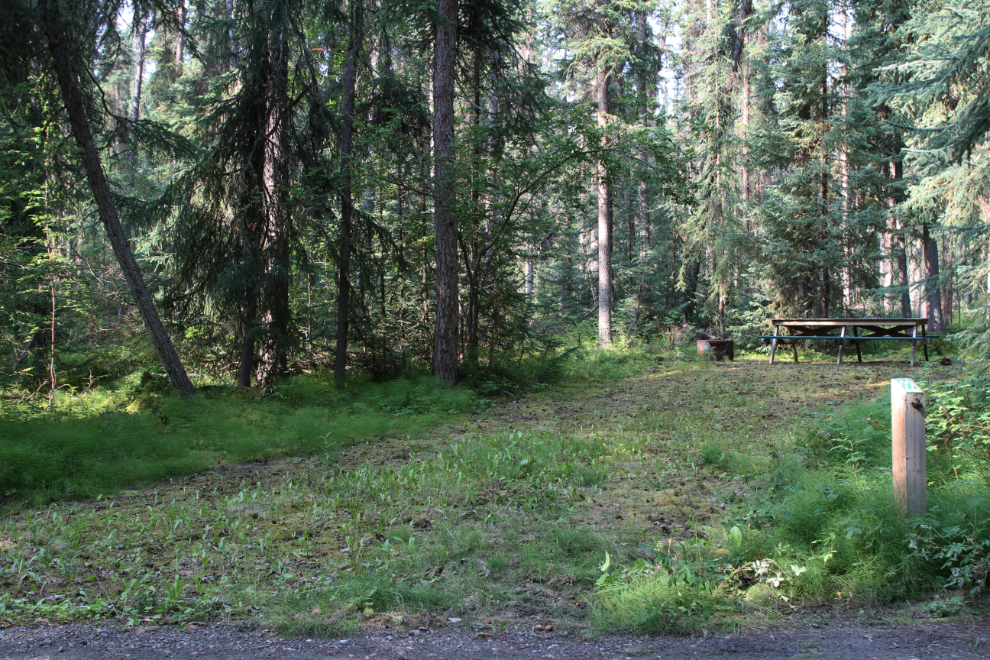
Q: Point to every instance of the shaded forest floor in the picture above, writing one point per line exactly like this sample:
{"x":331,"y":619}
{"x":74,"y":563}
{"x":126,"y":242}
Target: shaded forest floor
{"x":489,"y":525}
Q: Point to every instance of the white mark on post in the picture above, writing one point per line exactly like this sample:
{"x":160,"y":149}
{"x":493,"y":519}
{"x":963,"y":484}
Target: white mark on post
{"x":907,"y":413}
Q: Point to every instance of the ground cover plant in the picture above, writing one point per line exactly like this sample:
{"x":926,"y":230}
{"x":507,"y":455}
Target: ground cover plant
{"x":665,"y":500}
{"x":826,"y":529}
{"x":98,"y":443}
{"x":484,"y":192}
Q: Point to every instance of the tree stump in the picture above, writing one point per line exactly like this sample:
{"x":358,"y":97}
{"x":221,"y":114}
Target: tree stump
{"x":716,"y":349}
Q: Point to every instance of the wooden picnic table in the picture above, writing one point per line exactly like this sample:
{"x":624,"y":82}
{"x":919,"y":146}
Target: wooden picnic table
{"x":848,"y":330}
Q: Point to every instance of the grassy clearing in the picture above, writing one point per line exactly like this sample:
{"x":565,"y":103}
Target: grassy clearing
{"x":109,"y":439}
{"x":138,"y":431}
{"x":497,"y":517}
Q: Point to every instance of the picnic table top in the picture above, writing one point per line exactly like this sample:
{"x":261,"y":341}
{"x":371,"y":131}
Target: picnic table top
{"x":826,"y":323}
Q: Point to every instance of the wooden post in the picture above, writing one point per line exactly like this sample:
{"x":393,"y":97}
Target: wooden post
{"x":907,"y":412}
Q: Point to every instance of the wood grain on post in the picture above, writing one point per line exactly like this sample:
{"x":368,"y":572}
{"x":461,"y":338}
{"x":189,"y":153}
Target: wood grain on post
{"x":907,"y":412}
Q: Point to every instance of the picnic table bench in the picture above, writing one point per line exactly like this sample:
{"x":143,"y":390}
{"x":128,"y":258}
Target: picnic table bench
{"x":848,"y":330}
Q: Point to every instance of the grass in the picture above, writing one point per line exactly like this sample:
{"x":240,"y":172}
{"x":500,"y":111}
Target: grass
{"x":686,"y":494}
{"x":825,"y":527}
{"x":97,"y":444}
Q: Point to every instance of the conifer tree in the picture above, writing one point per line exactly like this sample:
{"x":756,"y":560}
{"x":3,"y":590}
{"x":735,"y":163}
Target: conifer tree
{"x":231,"y":232}
{"x":63,"y":26}
{"x":809,"y":236}
{"x":446,"y":323}
{"x":346,"y":197}
{"x":712,"y":69}
{"x":601,"y":34}
{"x":941,"y":87}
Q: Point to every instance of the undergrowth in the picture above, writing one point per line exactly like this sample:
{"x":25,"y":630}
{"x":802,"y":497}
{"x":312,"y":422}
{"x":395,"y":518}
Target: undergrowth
{"x":108,"y":439}
{"x":827,"y":528}
{"x":138,"y":431}
{"x":692,"y":496}
{"x":457,"y":530}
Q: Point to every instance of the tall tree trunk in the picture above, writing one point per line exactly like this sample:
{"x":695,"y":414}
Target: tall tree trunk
{"x":933,"y":291}
{"x":642,"y":200}
{"x":75,"y":108}
{"x":276,"y":317}
{"x":445,"y":327}
{"x":904,"y":280}
{"x":180,"y":39}
{"x":425,"y":274}
{"x":627,"y":204}
{"x":604,"y":218}
{"x":902,"y":263}
{"x":947,"y":288}
{"x":473,"y":258}
{"x":346,"y":202}
{"x":823,"y":116}
{"x":745,"y":145}
{"x":249,"y":318}
{"x":232,"y":48}
{"x":140,"y":35}
{"x":425,"y":290}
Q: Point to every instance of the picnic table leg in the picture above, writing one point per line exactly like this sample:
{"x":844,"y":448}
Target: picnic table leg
{"x":794,"y":346}
{"x":842,"y":336}
{"x":773,"y":344}
{"x":859,"y":355}
{"x":924,"y":342}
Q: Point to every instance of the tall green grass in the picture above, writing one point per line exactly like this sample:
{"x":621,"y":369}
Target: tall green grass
{"x":102,"y":442}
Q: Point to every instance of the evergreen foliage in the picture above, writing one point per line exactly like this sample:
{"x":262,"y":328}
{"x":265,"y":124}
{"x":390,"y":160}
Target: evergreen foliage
{"x":273,"y":166}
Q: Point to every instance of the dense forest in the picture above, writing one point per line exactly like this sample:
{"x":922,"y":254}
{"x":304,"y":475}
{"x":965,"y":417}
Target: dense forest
{"x":231,"y":191}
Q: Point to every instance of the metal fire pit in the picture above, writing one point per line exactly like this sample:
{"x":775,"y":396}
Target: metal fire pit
{"x":716,"y":348}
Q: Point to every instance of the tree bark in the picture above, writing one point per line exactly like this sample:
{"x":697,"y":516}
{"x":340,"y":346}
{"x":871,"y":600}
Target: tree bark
{"x":604,"y":219}
{"x":180,"y":39}
{"x":68,"y":81}
{"x":473,"y":257}
{"x":276,"y":313}
{"x":902,"y":264}
{"x":140,"y":34}
{"x":346,"y":202}
{"x":231,"y":36}
{"x":824,"y":116}
{"x":446,"y":322}
{"x":933,"y":292}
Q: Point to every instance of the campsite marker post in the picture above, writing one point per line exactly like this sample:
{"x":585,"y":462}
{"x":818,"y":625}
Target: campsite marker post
{"x":907,"y":416}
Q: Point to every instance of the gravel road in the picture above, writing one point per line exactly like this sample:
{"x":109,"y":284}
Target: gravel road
{"x":929,"y":640}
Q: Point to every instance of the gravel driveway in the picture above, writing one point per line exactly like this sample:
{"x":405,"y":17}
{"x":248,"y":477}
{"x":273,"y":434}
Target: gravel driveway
{"x":854,"y":640}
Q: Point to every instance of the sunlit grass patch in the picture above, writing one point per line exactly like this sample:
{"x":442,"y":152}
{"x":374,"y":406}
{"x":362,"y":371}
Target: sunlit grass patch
{"x":87,"y":448}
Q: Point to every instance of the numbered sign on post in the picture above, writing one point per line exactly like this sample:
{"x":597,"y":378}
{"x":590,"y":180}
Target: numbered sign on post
{"x":907,"y":413}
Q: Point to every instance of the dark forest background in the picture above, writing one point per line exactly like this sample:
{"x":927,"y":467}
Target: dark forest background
{"x":236,"y":190}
